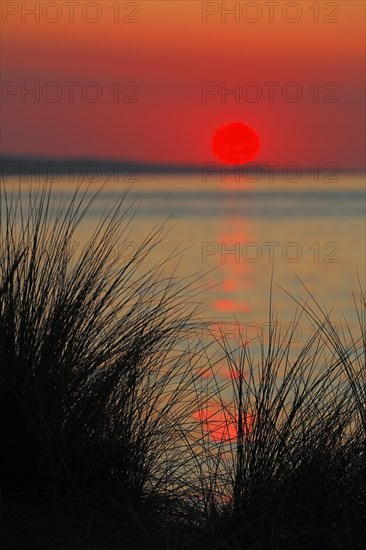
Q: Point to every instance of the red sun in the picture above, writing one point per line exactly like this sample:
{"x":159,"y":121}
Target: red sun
{"x":235,"y":143}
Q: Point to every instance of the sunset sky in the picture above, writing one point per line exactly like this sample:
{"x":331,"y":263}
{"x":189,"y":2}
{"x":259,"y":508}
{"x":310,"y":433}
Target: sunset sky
{"x":163,"y":55}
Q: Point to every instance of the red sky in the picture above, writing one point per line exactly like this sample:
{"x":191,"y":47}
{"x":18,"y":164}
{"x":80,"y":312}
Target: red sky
{"x":167,"y":55}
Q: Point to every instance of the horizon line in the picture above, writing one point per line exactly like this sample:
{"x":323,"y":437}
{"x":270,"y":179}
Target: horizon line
{"x":27,"y":164}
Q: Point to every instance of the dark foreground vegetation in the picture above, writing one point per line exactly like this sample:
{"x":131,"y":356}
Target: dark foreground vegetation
{"x":101,"y":378}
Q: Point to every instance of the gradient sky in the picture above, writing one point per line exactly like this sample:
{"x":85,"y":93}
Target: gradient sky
{"x":168,"y":54}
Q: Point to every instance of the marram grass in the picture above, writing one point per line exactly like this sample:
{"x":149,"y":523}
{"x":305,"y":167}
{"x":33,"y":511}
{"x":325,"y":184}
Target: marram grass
{"x":110,"y":436}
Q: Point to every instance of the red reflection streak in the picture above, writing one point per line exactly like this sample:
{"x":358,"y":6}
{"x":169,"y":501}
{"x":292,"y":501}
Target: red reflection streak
{"x":228,"y":305}
{"x":229,"y":373}
{"x":221,"y":424}
{"x":229,"y":285}
{"x":234,"y":266}
{"x":206,"y":373}
{"x":222,"y":370}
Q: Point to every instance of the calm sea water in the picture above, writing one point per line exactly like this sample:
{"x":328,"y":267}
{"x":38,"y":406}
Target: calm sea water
{"x":242,"y":232}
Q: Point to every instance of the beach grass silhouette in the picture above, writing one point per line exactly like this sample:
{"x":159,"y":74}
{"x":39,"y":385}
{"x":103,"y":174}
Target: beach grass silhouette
{"x":111,"y":437}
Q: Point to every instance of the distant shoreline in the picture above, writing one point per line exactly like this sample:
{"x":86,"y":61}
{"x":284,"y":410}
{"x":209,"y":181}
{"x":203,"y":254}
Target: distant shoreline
{"x":43,"y":166}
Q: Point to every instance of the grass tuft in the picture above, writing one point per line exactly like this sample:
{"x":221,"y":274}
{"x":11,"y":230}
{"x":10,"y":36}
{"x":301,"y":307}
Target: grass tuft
{"x":112,"y":437}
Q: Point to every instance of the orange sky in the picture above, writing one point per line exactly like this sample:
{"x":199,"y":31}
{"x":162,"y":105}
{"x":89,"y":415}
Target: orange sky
{"x":167,"y":55}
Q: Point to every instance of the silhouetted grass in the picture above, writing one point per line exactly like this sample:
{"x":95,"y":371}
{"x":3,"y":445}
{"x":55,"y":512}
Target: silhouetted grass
{"x":108,"y":429}
{"x":294,"y":474}
{"x":93,"y":372}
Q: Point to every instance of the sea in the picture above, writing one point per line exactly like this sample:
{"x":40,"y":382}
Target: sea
{"x":258,"y":248}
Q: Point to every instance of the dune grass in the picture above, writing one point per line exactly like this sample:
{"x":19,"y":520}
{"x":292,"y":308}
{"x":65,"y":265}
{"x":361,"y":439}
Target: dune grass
{"x":110,"y":436}
{"x":294,"y":475}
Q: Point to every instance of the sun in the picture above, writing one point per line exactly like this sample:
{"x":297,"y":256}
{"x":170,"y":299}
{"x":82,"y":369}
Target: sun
{"x":235,"y":143}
